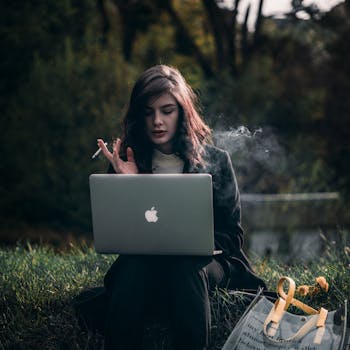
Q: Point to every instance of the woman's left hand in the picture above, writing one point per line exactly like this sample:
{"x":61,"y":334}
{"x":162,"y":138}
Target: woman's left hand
{"x":120,"y":166}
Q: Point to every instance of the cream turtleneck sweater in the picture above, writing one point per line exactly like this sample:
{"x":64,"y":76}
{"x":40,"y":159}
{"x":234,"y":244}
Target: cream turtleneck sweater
{"x":166,"y":163}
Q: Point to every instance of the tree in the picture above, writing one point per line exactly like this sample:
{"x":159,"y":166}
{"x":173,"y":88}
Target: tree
{"x":336,"y":125}
{"x":136,"y":16}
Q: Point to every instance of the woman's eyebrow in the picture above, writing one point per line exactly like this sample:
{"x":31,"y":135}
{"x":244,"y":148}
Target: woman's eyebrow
{"x":168,"y":105}
{"x":163,"y":106}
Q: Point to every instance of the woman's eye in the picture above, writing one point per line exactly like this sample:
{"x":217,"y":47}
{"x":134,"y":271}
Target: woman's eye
{"x":148,"y":112}
{"x":168,"y":111}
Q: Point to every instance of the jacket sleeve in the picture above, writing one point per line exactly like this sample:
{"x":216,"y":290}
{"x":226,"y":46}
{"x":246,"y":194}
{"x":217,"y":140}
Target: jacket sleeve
{"x":227,"y":207}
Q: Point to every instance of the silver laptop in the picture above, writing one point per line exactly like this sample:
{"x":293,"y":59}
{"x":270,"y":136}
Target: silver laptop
{"x":152,"y":214}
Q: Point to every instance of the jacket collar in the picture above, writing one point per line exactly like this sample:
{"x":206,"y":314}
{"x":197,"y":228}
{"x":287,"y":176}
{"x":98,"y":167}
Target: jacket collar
{"x":191,"y":169}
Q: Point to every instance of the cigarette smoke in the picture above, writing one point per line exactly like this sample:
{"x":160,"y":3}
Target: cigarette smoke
{"x":256,"y":155}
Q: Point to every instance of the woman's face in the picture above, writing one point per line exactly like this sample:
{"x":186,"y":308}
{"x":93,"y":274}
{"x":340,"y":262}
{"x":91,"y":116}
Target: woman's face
{"x":162,"y":116}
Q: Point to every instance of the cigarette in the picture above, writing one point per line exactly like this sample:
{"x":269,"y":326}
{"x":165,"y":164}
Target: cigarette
{"x":98,"y":151}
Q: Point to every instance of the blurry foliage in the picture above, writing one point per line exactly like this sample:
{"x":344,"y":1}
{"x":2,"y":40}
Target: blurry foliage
{"x":69,"y":67}
{"x":54,"y":122}
{"x":37,"y":28}
{"x":336,"y":128}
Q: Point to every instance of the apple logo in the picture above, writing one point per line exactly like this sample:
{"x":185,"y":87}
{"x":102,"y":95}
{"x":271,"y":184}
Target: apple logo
{"x":151,"y":215}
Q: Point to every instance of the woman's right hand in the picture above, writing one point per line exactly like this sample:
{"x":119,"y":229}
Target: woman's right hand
{"x":120,"y":166}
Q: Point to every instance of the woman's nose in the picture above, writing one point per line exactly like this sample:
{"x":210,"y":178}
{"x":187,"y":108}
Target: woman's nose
{"x":157,"y":119}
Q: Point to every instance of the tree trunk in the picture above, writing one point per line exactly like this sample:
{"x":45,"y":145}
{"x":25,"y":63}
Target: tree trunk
{"x":105,"y":21}
{"x":126,"y":13}
{"x":203,"y":62}
{"x":244,"y":37}
{"x":223,"y":24}
{"x":257,"y":33}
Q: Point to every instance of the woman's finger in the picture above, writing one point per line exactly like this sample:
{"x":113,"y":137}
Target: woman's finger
{"x":130,"y":155}
{"x":116,"y":149}
{"x":117,"y":162}
{"x":118,"y":144}
{"x":104,"y":149}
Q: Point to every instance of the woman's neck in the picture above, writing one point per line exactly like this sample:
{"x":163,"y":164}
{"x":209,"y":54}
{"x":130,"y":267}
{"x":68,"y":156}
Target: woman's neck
{"x":165,"y":149}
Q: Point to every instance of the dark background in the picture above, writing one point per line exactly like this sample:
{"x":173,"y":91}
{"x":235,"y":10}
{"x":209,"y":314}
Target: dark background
{"x":277,"y":97}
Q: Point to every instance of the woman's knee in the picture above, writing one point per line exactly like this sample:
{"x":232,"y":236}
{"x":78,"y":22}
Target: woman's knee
{"x":189,"y":274}
{"x":127,"y":270}
{"x":189,"y":264}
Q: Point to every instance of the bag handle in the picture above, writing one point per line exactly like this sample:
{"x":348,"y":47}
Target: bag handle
{"x":290,"y":293}
{"x":316,"y":321}
{"x":282,"y":304}
{"x":289,"y":297}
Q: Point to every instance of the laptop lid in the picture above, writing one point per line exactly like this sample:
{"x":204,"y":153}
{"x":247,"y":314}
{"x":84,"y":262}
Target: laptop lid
{"x":158,"y":214}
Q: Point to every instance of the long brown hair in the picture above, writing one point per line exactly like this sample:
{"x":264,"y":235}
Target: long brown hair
{"x":192,"y":132}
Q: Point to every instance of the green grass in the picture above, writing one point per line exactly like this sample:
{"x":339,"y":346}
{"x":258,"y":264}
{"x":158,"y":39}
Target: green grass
{"x":37,"y":285}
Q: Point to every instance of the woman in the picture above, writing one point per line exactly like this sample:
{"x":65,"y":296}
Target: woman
{"x":164,"y":133}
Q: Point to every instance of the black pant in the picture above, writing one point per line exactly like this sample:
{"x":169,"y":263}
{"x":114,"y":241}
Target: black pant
{"x":178,"y":287}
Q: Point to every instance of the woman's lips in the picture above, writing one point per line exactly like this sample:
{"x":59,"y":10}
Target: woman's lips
{"x":158,"y":134}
